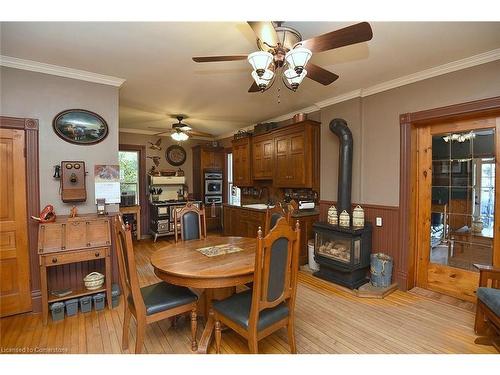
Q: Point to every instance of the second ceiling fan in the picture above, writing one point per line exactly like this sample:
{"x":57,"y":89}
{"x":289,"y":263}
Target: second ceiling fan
{"x":282,"y":52}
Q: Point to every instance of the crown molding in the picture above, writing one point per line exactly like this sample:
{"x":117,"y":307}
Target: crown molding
{"x":340,"y":98}
{"x":61,"y":71}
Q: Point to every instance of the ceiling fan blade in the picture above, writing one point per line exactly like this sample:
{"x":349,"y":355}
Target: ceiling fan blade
{"x":318,"y":74}
{"x":254,"y":88}
{"x":360,"y":32}
{"x":199,"y":134}
{"x":162,"y":133}
{"x":264,"y":30}
{"x":219,"y":58}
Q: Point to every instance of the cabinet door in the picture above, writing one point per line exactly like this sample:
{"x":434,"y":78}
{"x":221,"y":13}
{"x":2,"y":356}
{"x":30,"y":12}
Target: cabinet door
{"x":296,"y":161}
{"x":50,"y":238}
{"x":241,"y":164}
{"x":76,"y":234}
{"x":281,"y":173}
{"x":98,"y":233}
{"x":218,"y":159}
{"x":267,"y":159}
{"x":257,"y":161}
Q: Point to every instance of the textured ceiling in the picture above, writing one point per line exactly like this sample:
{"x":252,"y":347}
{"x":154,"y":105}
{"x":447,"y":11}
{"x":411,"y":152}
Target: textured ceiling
{"x":161,"y":78}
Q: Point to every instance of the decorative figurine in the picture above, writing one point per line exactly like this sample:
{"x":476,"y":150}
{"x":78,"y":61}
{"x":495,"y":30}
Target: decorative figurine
{"x":47,"y":215}
{"x":333,"y":218}
{"x":73,"y":212}
{"x":156,"y":145}
{"x":358,"y":217}
{"x":344,"y":219}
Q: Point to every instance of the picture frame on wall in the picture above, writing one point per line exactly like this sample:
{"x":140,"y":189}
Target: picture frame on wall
{"x":80,"y":127}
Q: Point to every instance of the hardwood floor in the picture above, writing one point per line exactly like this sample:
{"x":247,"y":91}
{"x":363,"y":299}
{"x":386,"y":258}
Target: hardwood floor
{"x":328,"y":320}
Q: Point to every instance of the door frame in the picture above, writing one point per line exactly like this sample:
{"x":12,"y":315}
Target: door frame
{"x":409,"y":124}
{"x":30,"y":127}
{"x":143,"y":199}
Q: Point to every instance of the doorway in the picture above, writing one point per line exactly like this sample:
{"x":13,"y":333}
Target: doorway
{"x":456,"y":182}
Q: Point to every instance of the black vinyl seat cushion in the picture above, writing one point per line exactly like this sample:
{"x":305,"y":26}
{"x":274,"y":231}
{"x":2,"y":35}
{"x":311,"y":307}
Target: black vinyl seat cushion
{"x":164,"y":296}
{"x":237,"y":308}
{"x":191,"y":226}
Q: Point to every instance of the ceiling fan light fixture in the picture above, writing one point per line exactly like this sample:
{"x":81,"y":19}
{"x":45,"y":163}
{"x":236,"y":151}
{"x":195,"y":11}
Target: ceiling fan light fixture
{"x":263,"y":80}
{"x":260,"y":61}
{"x":294,"y":79}
{"x":297,"y":58}
{"x":179,"y":136}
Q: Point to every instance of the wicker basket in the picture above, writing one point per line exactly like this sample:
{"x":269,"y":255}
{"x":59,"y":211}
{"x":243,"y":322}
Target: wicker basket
{"x":94,"y":280}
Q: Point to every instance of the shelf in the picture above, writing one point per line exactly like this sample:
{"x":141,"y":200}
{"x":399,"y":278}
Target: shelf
{"x":76,"y":294}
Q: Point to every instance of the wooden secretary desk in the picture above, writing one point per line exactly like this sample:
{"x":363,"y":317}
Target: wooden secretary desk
{"x":70,"y":240}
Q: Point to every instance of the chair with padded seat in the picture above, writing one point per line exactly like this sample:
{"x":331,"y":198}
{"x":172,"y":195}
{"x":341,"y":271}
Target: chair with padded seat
{"x":269,"y":305}
{"x":150,"y":303}
{"x":273,"y":215}
{"x":190,"y":223}
{"x":487,"y":322}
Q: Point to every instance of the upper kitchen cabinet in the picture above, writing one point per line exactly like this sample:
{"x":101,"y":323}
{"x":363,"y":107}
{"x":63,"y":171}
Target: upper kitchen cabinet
{"x":242,"y":162}
{"x":263,"y":157}
{"x":297,"y":153}
{"x":205,"y":157}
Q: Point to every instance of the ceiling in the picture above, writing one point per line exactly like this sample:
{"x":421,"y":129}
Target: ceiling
{"x":161,"y":78}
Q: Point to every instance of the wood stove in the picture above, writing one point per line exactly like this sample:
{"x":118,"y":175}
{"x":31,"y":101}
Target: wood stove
{"x":343,"y":253}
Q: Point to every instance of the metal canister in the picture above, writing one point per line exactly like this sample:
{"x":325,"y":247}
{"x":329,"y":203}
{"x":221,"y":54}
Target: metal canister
{"x":333,"y":217}
{"x":358,"y":217}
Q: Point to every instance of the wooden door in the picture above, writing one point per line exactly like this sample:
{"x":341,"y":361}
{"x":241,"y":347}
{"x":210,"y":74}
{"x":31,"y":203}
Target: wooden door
{"x":15,"y":295}
{"x":457,"y":207}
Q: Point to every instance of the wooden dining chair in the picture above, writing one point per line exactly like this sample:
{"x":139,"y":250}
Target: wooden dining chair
{"x":150,"y":303}
{"x":273,"y":215}
{"x":269,"y":306}
{"x":190,"y":223}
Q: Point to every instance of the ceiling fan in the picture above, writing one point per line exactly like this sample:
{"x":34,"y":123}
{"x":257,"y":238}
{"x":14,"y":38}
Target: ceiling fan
{"x":181,"y":131}
{"x":282,"y":50}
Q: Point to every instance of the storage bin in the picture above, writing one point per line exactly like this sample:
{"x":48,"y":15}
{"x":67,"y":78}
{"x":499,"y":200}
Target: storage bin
{"x":57,"y":309}
{"x":71,"y":306}
{"x":380,"y":270}
{"x":312,"y":263}
{"x":99,"y":299}
{"x":85,"y":304}
{"x":115,"y":295}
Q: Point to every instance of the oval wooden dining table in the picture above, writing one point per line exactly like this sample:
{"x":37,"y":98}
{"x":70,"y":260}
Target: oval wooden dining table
{"x":182,"y":264}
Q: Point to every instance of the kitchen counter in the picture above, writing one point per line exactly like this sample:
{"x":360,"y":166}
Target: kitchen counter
{"x":303,"y":213}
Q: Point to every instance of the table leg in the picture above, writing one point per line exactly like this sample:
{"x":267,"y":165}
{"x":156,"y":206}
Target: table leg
{"x":44,"y":291}
{"x":107,"y":279}
{"x":208,"y":332}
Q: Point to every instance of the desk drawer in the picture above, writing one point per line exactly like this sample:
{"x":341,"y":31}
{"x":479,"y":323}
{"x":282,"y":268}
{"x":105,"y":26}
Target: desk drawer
{"x":55,"y":259}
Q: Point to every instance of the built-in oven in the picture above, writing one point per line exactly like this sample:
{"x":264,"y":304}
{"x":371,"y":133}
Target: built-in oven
{"x":213,"y":183}
{"x":217,"y":199}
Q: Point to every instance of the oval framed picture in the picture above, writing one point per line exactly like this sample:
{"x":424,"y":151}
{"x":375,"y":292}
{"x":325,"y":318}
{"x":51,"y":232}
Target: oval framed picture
{"x":81,"y":127}
{"x":175,"y":155}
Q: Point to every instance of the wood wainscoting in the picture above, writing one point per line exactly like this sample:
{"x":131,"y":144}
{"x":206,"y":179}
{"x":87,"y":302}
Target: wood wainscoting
{"x":385,"y":239}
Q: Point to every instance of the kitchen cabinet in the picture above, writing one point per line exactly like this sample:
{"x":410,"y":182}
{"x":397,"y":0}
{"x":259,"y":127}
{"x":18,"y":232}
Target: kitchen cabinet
{"x":263,"y":157}
{"x":297,"y":153}
{"x":242,"y":162}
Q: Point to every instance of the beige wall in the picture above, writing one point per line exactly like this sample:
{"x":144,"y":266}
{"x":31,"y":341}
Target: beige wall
{"x":374,"y":122}
{"x":42,"y":96}
{"x":140,"y":139}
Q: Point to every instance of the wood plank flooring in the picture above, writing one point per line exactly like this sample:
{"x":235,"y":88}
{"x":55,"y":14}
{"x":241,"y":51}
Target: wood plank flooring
{"x":328,"y":320}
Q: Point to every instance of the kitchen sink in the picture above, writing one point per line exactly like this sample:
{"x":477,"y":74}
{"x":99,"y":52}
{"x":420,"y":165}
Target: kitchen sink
{"x":257,"y":206}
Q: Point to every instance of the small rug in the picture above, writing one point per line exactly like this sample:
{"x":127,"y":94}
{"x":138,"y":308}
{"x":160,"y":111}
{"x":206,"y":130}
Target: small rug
{"x":213,"y":251}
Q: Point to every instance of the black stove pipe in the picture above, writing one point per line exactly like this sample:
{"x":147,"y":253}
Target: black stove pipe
{"x":339,"y":127}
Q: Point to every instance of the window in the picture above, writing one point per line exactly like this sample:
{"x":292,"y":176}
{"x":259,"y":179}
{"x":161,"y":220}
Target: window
{"x":129,"y":173}
{"x":233,"y":192}
{"x":487,"y":192}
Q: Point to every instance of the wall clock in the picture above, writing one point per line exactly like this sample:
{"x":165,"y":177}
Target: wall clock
{"x":175,"y":155}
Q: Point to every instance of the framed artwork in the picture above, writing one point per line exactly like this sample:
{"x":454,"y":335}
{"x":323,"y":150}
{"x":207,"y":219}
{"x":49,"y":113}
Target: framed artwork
{"x":81,"y":127}
{"x":175,"y":155}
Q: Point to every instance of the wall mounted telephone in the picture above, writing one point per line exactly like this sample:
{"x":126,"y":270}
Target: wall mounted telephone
{"x":73,"y":181}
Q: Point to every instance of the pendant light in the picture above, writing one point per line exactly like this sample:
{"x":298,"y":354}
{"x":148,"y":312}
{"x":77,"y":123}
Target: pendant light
{"x":297,"y":58}
{"x":260,"y":61}
{"x":179,"y":136}
{"x":263,"y":80}
{"x":294,"y":79}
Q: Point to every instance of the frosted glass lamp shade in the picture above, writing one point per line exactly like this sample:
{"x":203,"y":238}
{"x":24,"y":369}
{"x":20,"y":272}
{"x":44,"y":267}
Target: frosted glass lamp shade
{"x":179,"y":136}
{"x":293,"y":78}
{"x":297,"y":58}
{"x":260,"y":61}
{"x":263,"y":80}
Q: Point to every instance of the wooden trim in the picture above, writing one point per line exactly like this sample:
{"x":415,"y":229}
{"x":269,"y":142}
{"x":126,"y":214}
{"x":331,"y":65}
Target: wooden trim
{"x":143,"y":184}
{"x":30,"y":127}
{"x":409,"y":122}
